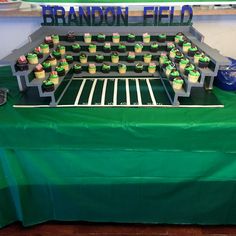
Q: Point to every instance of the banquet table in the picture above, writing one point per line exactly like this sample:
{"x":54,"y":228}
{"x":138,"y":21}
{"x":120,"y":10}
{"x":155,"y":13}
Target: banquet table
{"x":130,"y":165}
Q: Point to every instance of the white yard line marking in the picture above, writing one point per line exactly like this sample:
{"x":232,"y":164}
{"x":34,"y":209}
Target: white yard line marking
{"x":63,"y":92}
{"x":92,"y":92}
{"x":138,"y":92}
{"x":80,"y":92}
{"x":127,"y":92}
{"x":115,"y":92}
{"x":151,"y":92}
{"x":104,"y":92}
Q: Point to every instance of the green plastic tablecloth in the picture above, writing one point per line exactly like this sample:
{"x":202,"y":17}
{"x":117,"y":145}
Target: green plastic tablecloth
{"x":146,"y":165}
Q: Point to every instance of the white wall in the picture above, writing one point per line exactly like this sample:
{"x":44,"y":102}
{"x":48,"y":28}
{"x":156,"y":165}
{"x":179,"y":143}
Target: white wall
{"x":219,"y":32}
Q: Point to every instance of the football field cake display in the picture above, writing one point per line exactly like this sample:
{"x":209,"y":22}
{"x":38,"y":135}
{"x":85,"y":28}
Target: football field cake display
{"x":81,"y":66}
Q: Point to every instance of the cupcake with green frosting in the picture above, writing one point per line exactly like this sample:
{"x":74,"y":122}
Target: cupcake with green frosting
{"x":122,"y":68}
{"x":63,"y":63}
{"x":69,"y":59}
{"x":161,"y":38}
{"x":101,"y":38}
{"x":173,"y":52}
{"x":92,"y":48}
{"x":121,"y":47}
{"x":115,"y":57}
{"x":203,"y":61}
{"x":92,"y":68}
{"x":115,"y":38}
{"x":87,"y":38}
{"x":182,"y":64}
{"x":32,"y":58}
{"x":193,"y":76}
{"x":188,"y":68}
{"x":56,"y":54}
{"x":107,"y":48}
{"x":55,"y":38}
{"x":166,"y":63}
{"x":178,"y":57}
{"x":77,"y":68}
{"x":197,"y":56}
{"x":61,"y":49}
{"x":54,"y":77}
{"x":177,"y":83}
{"x":139,"y":68}
{"x":179,"y":36}
{"x":192,"y":50}
{"x":106,"y":68}
{"x":170,"y":46}
{"x":152,"y":68}
{"x":47,"y":66}
{"x":99,"y":58}
{"x":76,"y":47}
{"x":83,"y":58}
{"x":138,"y":47}
{"x":154,"y":47}
{"x":47,"y":86}
{"x":131,"y":38}
{"x":186,"y":46}
{"x":147,"y":58}
{"x":162,"y":58}
{"x":168,"y":70}
{"x":131,"y":57}
{"x":173,"y":74}
{"x":60,"y":70}
{"x":146,"y":38}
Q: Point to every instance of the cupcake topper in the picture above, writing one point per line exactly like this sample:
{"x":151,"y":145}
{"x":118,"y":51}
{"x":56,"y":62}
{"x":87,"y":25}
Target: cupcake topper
{"x":39,"y":67}
{"x":48,"y":38}
{"x":63,"y":60}
{"x":22,"y":59}
{"x":37,"y":49}
{"x":53,"y":73}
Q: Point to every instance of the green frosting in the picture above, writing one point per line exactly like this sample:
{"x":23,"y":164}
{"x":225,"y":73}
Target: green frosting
{"x":189,"y":67}
{"x":167,"y":62}
{"x":92,"y":46}
{"x":63,"y":63}
{"x":46,"y":64}
{"x":75,"y":46}
{"x":152,"y":66}
{"x":99,"y":57}
{"x":147,"y":36}
{"x":106,"y":67}
{"x":121,"y":46}
{"x":193,"y":49}
{"x":122,"y":66}
{"x":179,"y":36}
{"x":139,"y":66}
{"x":69,"y":57}
{"x":107,"y":46}
{"x":131,"y":56}
{"x":204,"y":59}
{"x":59,"y":69}
{"x":178,"y":80}
{"x":170,"y":67}
{"x":194,"y":73}
{"x":170,"y":46}
{"x":56,"y":53}
{"x":174,"y":73}
{"x":116,"y":36}
{"x":47,"y":83}
{"x":44,"y":45}
{"x":101,"y":36}
{"x":131,"y":36}
{"x":31,"y":56}
{"x":162,"y":35}
{"x":114,"y":55}
{"x":55,"y":36}
{"x":138,"y":45}
{"x":61,"y":47}
{"x":77,"y":66}
{"x":184,"y":61}
{"x":88,"y":36}
{"x":53,"y":76}
{"x":186,"y":44}
{"x":179,"y":55}
{"x":148,"y":55}
{"x":154,"y":45}
{"x":82,"y":56}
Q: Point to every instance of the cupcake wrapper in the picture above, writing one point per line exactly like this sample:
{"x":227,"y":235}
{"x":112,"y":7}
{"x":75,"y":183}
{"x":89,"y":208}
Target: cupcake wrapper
{"x":203,"y":64}
{"x":48,"y":69}
{"x":137,"y":70}
{"x":22,"y":67}
{"x":77,"y":71}
{"x":100,"y":40}
{"x":161,"y":40}
{"x":131,"y":40}
{"x":106,"y":50}
{"x":153,"y":49}
{"x":76,"y":49}
{"x":121,"y":50}
{"x":191,"y":53}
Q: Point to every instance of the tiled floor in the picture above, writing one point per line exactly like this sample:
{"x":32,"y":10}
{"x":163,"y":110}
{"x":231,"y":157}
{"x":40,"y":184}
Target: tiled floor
{"x":86,"y":229}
